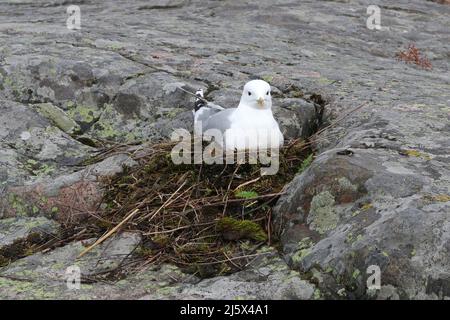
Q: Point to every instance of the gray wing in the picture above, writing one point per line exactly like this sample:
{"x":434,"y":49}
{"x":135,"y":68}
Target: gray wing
{"x":220,"y":120}
{"x":215,"y":106}
{"x":204,"y":113}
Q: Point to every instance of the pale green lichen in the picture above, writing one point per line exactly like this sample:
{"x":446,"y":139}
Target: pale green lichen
{"x":31,"y":290}
{"x":303,"y":249}
{"x":39,"y":169}
{"x":351,"y":238}
{"x":317,"y":294}
{"x":322,"y":215}
{"x":166,"y":291}
{"x":106,"y":130}
{"x":84,"y":114}
{"x":58,"y":117}
{"x":267,"y":78}
{"x":346,"y":184}
{"x":18,"y":204}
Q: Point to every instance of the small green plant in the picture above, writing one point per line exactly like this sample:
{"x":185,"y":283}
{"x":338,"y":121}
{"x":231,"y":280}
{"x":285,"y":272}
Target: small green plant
{"x":306,"y":163}
{"x":246,"y":194}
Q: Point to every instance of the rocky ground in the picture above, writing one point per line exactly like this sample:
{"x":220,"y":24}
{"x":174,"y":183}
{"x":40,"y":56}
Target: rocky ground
{"x":377,"y":193}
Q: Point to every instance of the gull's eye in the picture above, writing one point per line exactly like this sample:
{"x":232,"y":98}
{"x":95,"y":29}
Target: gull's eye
{"x":267,"y":93}
{"x":249,"y":93}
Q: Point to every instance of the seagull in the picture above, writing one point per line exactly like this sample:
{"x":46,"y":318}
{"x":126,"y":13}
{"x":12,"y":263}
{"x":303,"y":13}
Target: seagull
{"x":239,"y":126}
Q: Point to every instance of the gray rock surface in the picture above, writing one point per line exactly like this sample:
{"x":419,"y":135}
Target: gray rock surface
{"x":45,"y":276}
{"x":17,"y":229}
{"x":378,"y":192}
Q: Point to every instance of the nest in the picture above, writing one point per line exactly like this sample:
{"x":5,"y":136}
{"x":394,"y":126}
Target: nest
{"x":206,"y":219}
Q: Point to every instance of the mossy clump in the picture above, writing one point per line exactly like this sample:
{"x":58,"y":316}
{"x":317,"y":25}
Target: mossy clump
{"x":234,"y":229}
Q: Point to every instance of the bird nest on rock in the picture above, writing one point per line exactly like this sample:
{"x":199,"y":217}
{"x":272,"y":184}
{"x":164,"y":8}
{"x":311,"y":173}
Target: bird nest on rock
{"x":207,"y":219}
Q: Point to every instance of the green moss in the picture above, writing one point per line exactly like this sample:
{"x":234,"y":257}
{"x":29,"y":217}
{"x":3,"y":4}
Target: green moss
{"x":233,"y":229}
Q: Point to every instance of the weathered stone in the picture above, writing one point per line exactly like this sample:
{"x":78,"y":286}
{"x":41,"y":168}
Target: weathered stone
{"x":79,"y":192}
{"x":268,"y":278}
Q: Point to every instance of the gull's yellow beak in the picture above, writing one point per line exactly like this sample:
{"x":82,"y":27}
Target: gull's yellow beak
{"x":260,"y":101}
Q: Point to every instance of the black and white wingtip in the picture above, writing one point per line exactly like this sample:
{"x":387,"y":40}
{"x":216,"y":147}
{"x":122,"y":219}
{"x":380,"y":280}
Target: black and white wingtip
{"x":199,"y":103}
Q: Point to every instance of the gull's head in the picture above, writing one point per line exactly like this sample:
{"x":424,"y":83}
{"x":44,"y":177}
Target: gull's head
{"x":257,"y":95}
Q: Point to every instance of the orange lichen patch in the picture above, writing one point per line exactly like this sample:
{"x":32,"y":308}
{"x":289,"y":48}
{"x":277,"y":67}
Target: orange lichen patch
{"x":413,"y":55}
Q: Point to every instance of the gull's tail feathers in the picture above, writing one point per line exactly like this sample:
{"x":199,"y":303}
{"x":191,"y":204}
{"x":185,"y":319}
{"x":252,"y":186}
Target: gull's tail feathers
{"x":204,"y":109}
{"x":199,"y":101}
